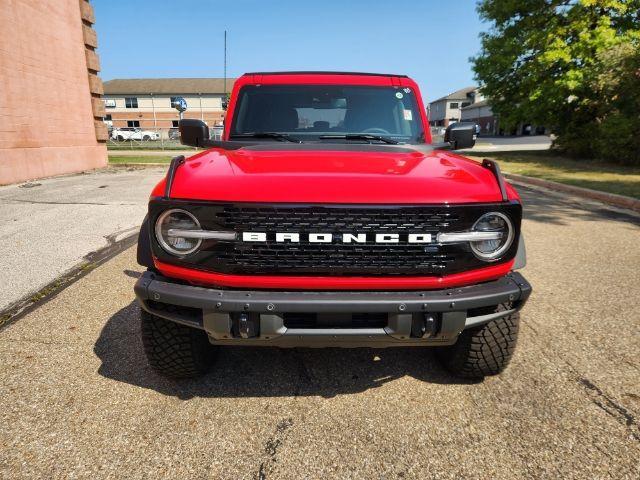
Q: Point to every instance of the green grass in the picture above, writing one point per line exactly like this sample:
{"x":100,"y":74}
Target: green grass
{"x":142,"y":159}
{"x":548,"y":165}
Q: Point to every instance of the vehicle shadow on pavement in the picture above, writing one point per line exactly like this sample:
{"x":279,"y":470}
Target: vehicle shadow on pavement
{"x":539,"y":207}
{"x":264,"y":371}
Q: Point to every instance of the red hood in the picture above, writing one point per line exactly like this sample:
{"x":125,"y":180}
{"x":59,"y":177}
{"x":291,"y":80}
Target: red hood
{"x":392,"y":176}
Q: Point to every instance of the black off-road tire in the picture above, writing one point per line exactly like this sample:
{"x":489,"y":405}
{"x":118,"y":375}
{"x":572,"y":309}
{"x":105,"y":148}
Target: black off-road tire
{"x":482,"y":351}
{"x":175,"y":350}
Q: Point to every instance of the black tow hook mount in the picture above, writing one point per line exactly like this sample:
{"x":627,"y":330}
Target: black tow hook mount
{"x":246,"y":325}
{"x":426,"y":326}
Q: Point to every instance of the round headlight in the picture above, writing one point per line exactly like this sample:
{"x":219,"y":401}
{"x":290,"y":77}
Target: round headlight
{"x":494,"y":222}
{"x":168,"y":228}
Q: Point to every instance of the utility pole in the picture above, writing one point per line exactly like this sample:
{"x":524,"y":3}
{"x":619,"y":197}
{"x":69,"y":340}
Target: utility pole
{"x":224,"y":95}
{"x":225,"y":64}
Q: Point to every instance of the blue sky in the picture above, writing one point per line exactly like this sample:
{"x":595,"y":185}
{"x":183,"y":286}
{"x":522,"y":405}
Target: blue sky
{"x":428,"y":40}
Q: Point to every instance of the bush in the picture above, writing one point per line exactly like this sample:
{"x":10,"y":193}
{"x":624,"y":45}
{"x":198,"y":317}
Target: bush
{"x":618,"y":140}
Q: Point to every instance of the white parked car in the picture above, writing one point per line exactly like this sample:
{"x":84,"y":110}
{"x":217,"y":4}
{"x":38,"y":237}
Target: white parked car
{"x":133,"y":133}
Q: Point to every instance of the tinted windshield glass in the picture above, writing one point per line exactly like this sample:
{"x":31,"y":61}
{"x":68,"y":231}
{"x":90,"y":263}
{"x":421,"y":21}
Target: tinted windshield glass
{"x":311,"y":111}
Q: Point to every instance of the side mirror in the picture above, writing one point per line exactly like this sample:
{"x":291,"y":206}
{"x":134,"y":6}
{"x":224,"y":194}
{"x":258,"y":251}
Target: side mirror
{"x":193,"y":132}
{"x":461,"y":135}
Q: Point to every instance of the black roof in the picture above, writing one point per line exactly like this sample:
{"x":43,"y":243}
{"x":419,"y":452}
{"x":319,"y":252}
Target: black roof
{"x":167,"y":86}
{"x":312,"y":72}
{"x":457,"y":95}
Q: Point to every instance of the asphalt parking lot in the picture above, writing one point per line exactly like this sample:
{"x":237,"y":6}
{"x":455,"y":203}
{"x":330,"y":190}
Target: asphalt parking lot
{"x":78,"y":399}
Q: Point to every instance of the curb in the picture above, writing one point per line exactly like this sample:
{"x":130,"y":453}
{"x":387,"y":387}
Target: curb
{"x":116,"y":165}
{"x":152,"y":153}
{"x":604,"y":197}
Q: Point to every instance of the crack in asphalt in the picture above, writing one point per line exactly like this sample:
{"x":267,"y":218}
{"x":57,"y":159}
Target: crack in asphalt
{"x":271,"y":446}
{"x":274,"y":442}
{"x":111,"y":238}
{"x":304,"y":375}
{"x":34,"y":341}
{"x":599,"y":398}
{"x":611,"y":407}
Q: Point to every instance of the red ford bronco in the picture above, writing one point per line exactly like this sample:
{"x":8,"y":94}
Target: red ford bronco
{"x":326,"y":217}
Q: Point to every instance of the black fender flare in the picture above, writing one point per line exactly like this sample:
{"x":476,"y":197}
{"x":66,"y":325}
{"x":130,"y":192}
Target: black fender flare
{"x":144,"y":256}
{"x":521,"y":254}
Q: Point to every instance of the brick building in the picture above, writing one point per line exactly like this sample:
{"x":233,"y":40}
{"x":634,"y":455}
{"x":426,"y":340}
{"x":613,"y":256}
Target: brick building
{"x":479,"y":112}
{"x":148,"y":102}
{"x":50,"y":106}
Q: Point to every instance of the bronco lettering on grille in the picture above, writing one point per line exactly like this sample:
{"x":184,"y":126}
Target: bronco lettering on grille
{"x":292,"y":237}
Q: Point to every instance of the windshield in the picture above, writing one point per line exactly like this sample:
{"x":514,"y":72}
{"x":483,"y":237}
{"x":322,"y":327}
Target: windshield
{"x":311,"y":112}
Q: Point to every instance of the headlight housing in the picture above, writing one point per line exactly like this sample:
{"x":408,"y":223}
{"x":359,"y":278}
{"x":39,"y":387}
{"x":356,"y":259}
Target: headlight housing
{"x":493,"y":249}
{"x":177,"y":219}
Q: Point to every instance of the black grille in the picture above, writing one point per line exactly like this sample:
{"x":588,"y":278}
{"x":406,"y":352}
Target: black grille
{"x":336,"y":258}
{"x":370,"y":258}
{"x":335,"y":219}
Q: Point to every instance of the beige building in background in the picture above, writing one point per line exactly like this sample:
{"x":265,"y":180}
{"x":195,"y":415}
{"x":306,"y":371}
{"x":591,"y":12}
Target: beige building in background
{"x":448,"y":109}
{"x":148,"y":102}
{"x":50,"y":94}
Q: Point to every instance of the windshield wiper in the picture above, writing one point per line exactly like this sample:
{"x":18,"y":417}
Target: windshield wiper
{"x":360,"y":136}
{"x":283,"y":137}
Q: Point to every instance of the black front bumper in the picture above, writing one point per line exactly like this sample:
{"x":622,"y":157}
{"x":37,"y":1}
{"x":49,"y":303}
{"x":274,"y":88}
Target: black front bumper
{"x":239,"y":317}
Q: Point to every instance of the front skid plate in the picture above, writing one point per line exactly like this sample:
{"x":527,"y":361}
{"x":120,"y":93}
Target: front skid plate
{"x":219,"y":307}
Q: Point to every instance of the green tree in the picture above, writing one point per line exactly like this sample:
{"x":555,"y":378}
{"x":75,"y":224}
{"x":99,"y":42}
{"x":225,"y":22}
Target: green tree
{"x":551,"y":62}
{"x":617,"y":88}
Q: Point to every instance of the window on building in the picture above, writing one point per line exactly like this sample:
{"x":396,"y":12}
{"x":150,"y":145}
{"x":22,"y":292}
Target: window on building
{"x":133,"y":123}
{"x":174,"y":123}
{"x":107,"y":117}
{"x":453,"y":105}
{"x":465,"y":104}
{"x":109,"y":103}
{"x":131,"y":102}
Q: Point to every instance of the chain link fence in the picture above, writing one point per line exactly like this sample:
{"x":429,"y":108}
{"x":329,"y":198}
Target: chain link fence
{"x":140,"y":138}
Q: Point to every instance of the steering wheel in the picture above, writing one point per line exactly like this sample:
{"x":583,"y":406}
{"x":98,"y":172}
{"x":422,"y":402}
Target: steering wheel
{"x":376,"y":130}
